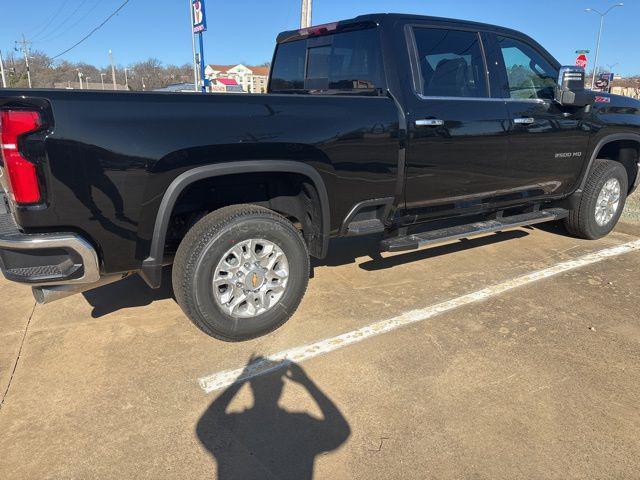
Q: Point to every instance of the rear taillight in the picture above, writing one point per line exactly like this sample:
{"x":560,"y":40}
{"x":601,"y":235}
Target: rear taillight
{"x":23,"y":179}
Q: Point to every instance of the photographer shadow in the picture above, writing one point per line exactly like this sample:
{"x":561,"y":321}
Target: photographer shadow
{"x":266,"y":440}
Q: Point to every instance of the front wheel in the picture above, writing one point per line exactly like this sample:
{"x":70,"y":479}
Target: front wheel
{"x":241,"y":272}
{"x":602,"y":202}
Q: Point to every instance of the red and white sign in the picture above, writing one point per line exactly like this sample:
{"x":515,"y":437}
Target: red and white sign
{"x":581,"y":61}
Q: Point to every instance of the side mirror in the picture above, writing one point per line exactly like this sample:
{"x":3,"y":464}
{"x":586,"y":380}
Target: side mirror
{"x":570,"y":91}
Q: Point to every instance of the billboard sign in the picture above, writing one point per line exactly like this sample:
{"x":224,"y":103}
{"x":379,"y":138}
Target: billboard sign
{"x":603,"y":82}
{"x":199,"y":16}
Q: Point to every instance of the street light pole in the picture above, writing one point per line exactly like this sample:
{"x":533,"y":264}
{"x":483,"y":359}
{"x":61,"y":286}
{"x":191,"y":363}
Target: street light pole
{"x":126,"y":79}
{"x":80,"y":78}
{"x":113,"y":69}
{"x":102,"y":75}
{"x":193,"y":47}
{"x":602,"y":15}
{"x":4,"y":80}
{"x":306,"y":13}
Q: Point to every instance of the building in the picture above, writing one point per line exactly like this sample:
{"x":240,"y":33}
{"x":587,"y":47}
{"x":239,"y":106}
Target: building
{"x":177,"y":87}
{"x":225,"y":85}
{"x":251,"y":79}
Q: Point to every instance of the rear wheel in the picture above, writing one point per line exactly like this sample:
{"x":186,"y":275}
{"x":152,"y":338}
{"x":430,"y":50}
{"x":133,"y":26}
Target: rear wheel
{"x":602,"y":202}
{"x":241,"y":272}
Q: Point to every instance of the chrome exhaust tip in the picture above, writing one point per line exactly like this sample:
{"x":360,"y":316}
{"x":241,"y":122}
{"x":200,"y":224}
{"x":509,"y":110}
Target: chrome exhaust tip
{"x":51,"y":293}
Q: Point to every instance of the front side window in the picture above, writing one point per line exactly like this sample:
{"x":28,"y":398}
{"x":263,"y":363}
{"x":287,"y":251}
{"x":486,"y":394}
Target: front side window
{"x":341,"y":62}
{"x":529,"y":74}
{"x":451,"y":63}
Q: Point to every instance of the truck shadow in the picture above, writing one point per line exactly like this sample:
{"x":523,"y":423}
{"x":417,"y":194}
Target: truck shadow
{"x":556,"y":228}
{"x":346,"y":250}
{"x":134,"y":292}
{"x":127,"y":293}
{"x":267,"y":440}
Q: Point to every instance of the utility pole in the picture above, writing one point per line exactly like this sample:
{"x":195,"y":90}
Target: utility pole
{"x":4,"y":79}
{"x":25,"y":50}
{"x":602,"y":15}
{"x":113,"y":69}
{"x":193,"y":47}
{"x":102,"y":75}
{"x":126,"y":79}
{"x":306,"y":13}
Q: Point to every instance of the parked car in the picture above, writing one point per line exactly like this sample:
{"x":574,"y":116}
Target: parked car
{"x":418,"y":129}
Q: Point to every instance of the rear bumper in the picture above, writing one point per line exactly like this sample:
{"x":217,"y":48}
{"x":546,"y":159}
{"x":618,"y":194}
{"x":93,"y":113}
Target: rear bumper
{"x":44,"y":258}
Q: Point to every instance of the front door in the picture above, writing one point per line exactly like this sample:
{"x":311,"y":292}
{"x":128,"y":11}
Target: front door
{"x":457,"y":151}
{"x":547,"y":142}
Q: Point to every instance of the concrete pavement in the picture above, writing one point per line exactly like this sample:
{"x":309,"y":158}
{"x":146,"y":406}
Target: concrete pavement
{"x":538,"y":382}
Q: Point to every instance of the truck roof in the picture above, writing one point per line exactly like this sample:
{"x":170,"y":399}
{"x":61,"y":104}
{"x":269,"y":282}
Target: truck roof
{"x":382,"y":17}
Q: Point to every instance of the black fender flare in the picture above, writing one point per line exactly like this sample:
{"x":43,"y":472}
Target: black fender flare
{"x":151,"y":270}
{"x":594,"y":155}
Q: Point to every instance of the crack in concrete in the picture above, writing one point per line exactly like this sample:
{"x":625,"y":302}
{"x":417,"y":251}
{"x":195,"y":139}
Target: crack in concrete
{"x":15,"y":365}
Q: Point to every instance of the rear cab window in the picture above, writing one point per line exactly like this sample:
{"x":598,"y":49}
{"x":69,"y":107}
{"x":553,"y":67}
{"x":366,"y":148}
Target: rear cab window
{"x":344,"y":62}
{"x":450,"y":63}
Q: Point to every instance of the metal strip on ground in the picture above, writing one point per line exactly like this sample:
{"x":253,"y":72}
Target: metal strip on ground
{"x":217,"y":381}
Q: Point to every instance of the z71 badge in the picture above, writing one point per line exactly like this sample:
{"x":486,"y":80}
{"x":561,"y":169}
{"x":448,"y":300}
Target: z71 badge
{"x":602,"y":99}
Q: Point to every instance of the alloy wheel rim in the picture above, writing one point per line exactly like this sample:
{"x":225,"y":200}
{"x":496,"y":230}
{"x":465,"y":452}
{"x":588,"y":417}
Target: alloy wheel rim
{"x":608,"y":202}
{"x":250,"y":278}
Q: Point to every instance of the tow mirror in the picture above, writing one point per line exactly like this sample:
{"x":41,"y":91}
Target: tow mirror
{"x":571,"y":91}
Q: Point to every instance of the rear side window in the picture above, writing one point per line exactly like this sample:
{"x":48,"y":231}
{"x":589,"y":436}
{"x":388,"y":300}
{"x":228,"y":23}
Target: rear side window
{"x":451,"y":63}
{"x":348,"y":62}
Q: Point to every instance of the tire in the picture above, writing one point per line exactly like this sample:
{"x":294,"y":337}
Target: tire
{"x":582,"y":221}
{"x":199,"y":259}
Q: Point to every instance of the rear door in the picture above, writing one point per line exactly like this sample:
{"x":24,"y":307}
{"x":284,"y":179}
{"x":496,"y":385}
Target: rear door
{"x":457,"y":153}
{"x":547,"y":142}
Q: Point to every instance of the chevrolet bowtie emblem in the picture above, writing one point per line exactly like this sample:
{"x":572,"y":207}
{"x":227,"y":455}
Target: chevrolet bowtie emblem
{"x":254,"y":280}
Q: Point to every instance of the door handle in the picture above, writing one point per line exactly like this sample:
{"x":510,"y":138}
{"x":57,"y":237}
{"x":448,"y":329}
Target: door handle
{"x":429,"y":122}
{"x":524,"y":121}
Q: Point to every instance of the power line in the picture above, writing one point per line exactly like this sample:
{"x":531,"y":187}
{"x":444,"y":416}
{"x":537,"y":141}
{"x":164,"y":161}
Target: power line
{"x":71,"y":27}
{"x":40,"y":31}
{"x":92,"y":31}
{"x":60,"y":25}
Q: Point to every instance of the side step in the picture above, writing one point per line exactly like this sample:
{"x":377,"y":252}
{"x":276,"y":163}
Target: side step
{"x":411,"y":242}
{"x":365,"y":227}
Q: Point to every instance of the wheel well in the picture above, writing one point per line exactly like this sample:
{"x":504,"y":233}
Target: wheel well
{"x":292,"y":195}
{"x":627,"y":152}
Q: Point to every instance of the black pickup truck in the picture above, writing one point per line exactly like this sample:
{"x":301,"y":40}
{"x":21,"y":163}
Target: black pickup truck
{"x":417,"y":129}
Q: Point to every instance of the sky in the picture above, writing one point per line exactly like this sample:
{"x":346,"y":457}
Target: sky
{"x":244,"y":31}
